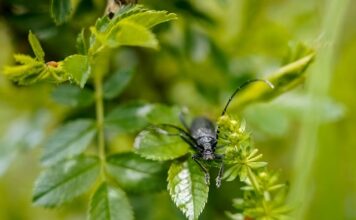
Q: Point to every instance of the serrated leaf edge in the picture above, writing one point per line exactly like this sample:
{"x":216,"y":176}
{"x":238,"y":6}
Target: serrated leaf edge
{"x":196,"y":215}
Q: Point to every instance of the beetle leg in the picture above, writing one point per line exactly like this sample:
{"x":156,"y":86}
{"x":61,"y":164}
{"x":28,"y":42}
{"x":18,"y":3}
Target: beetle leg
{"x":219,"y":177}
{"x":221,"y":170}
{"x":196,"y":158}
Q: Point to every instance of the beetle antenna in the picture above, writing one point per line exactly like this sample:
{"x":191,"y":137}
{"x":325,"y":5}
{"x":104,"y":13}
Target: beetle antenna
{"x":248,"y":82}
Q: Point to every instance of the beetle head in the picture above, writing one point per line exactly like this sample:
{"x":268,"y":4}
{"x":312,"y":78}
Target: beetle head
{"x":207,"y":145}
{"x":208,"y":154}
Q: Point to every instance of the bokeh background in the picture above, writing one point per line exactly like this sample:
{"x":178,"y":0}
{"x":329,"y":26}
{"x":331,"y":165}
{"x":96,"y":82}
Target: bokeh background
{"x":307,"y":134}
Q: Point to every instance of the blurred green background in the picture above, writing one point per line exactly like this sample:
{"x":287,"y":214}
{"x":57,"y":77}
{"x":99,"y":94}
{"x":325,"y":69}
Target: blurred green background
{"x":214,"y":46}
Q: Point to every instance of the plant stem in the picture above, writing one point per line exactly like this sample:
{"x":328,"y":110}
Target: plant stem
{"x":98,"y":80}
{"x":99,"y":63}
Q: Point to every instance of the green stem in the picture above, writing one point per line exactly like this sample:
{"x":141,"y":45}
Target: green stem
{"x":98,"y":80}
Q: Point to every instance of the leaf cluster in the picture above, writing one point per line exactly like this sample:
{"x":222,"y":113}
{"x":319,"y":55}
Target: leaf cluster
{"x":130,"y":26}
{"x":186,"y":182}
{"x":71,"y":168}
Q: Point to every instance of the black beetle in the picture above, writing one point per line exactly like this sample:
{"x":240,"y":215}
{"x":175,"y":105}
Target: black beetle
{"x":202,"y":135}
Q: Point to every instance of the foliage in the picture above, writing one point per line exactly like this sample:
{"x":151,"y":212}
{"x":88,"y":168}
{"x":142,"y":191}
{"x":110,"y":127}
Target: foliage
{"x":92,"y":93}
{"x":72,"y":172}
{"x":163,"y":142}
{"x":130,"y":26}
{"x":70,"y":140}
{"x":186,"y":183}
{"x":65,"y":181}
{"x":160,"y":144}
{"x":136,"y":174}
{"x":109,"y":202}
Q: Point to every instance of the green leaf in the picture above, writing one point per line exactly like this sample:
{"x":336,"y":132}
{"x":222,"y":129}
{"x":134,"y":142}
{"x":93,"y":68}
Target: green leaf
{"x":103,"y":23}
{"x":68,"y":141}
{"x":130,"y":117}
{"x":131,"y":34}
{"x":36,"y":46}
{"x":231,"y":173}
{"x":135,"y":173}
{"x":159,"y":144}
{"x":73,"y":96}
{"x":186,"y":185}
{"x":283,"y":80}
{"x":61,"y":10}
{"x":135,"y":116}
{"x":110,"y":203}
{"x":24,"y":59}
{"x":77,"y":66}
{"x":25,"y":74}
{"x":150,"y":18}
{"x":117,"y":83}
{"x":257,"y":165}
{"x":65,"y":181}
{"x":130,"y":27}
{"x":82,"y":45}
{"x":164,"y":114}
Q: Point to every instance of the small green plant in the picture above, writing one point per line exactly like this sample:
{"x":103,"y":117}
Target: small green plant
{"x":263,"y":196}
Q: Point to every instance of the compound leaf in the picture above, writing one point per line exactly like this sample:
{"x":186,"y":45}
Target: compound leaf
{"x":187,"y":188}
{"x":156,"y":143}
{"x":68,"y":141}
{"x":135,"y":173}
{"x":65,"y":181}
{"x":110,"y":203}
